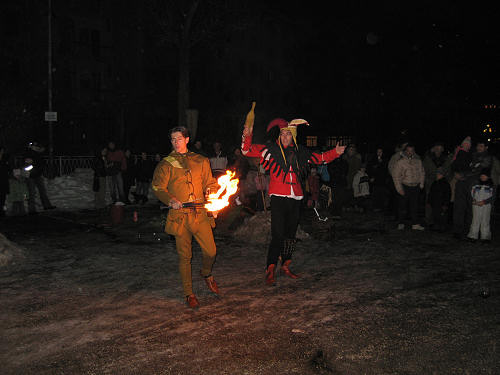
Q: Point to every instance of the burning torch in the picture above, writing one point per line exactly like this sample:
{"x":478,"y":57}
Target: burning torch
{"x":220,"y":199}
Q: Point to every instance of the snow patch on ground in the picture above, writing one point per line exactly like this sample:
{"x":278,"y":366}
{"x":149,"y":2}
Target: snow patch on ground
{"x":257,"y":229}
{"x":72,"y":191}
{"x":9,"y":252}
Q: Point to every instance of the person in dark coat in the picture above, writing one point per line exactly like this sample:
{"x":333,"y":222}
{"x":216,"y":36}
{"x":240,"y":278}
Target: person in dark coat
{"x":33,"y":164}
{"x":156,"y":160}
{"x":100,"y":167}
{"x":4,"y":179}
{"x":434,"y":158}
{"x":462,"y":206}
{"x":439,"y":200}
{"x":143,"y":175}
{"x":354,"y":160}
{"x":198,"y":148}
{"x":128,"y":175}
{"x":116,"y":157}
{"x":338,"y":182}
{"x":239,"y":164}
{"x":379,"y":180}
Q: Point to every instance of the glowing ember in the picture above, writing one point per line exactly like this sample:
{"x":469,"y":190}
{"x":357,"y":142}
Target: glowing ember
{"x":228,"y":185}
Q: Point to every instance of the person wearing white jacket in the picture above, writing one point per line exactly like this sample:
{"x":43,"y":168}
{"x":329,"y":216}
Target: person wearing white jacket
{"x":361,"y":189}
{"x":483,"y":196}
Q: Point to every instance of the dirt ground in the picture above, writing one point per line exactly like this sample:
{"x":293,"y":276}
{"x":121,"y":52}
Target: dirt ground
{"x":93,"y":299}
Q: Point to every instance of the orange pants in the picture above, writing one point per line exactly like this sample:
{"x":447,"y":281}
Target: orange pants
{"x":194,"y":225}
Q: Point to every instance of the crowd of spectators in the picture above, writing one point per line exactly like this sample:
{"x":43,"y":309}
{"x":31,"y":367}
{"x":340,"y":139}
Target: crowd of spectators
{"x":442,"y":190}
{"x":446,"y":191}
{"x":439,"y":190}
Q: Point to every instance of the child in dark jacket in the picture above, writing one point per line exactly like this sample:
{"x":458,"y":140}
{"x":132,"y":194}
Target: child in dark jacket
{"x":439,"y":200}
{"x":483,"y":195}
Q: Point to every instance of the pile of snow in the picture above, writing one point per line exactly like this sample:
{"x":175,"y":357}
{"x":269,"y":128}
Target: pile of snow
{"x":257,"y":229}
{"x":72,"y":191}
{"x":9,"y":252}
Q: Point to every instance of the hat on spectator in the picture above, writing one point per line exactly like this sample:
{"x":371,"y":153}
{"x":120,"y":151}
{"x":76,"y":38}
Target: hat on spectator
{"x":467,"y":140}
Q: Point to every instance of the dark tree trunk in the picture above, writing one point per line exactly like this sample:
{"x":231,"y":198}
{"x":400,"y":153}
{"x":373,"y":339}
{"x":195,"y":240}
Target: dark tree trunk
{"x":184,"y":61}
{"x":183,"y":89}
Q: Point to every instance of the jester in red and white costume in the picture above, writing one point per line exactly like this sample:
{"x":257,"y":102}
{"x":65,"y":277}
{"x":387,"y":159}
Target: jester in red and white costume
{"x":287,"y":164}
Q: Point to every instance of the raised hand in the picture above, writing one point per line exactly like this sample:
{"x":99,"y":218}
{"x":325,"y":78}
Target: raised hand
{"x":340,"y":149}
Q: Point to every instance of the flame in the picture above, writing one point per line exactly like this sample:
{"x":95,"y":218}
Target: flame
{"x":228,"y":185}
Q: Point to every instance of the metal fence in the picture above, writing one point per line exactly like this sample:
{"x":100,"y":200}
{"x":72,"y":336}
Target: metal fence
{"x":60,"y":165}
{"x":64,"y":165}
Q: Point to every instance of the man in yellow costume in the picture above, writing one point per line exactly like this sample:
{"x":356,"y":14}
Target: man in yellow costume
{"x":184,"y":177}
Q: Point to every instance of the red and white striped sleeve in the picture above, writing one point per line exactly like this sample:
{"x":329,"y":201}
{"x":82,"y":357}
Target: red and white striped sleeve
{"x":324,"y":157}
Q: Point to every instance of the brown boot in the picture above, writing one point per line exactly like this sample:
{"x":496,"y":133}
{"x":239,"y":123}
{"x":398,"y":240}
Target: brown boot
{"x":192,"y":302}
{"x":270,"y":274}
{"x":285,"y":269}
{"x":211,"y":284}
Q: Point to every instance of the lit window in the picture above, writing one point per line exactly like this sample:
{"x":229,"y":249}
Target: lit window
{"x":332,"y":141}
{"x":312,"y":141}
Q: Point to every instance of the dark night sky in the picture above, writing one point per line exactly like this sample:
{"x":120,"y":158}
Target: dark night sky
{"x":393,"y":38}
{"x":370,"y":68}
{"x":402,"y":58}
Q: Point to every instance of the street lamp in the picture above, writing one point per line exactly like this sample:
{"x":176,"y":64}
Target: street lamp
{"x":49,"y":115}
{"x":49,"y":78}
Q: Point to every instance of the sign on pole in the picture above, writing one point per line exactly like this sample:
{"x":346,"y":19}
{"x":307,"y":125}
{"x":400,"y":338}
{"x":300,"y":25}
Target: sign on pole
{"x":51,"y":116}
